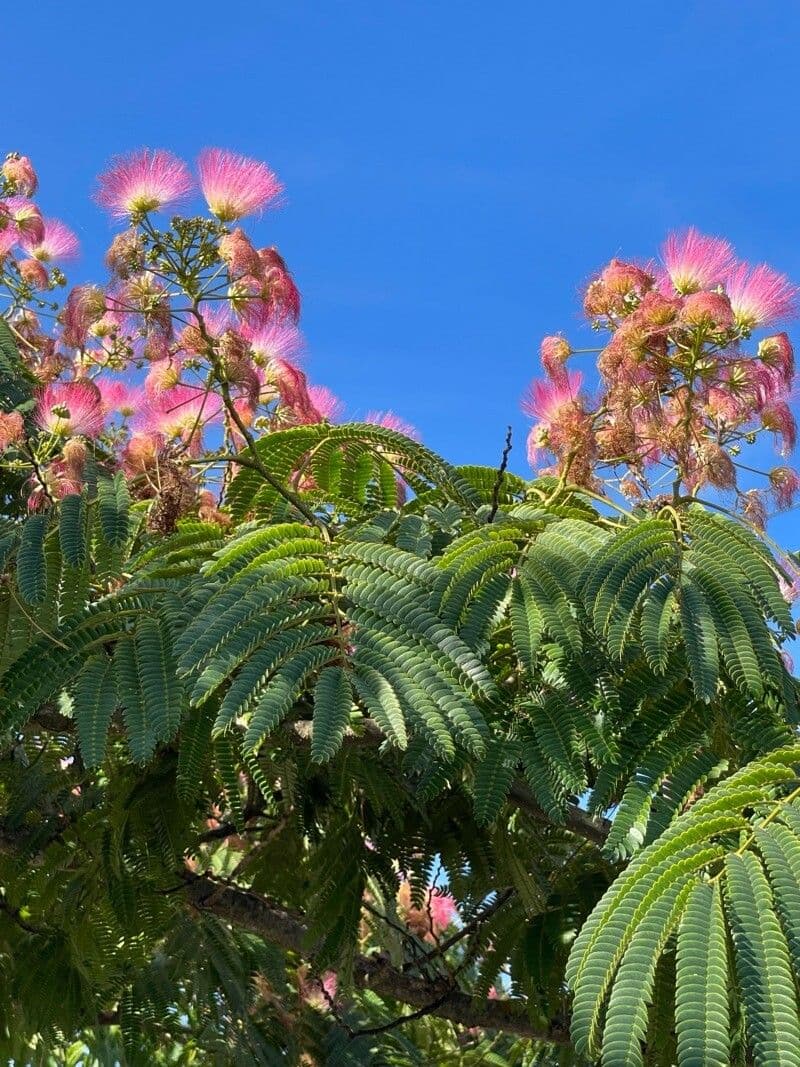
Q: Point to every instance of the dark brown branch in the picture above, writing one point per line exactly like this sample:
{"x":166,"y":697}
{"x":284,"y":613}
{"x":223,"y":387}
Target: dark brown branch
{"x":279,"y":926}
{"x":501,"y":473}
{"x":576,"y":820}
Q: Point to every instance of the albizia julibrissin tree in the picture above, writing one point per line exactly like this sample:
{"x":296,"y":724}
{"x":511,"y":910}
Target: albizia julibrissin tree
{"x":318,"y":749}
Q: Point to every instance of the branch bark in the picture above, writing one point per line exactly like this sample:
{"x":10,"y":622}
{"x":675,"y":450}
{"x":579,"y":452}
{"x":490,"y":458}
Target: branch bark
{"x":275,"y":924}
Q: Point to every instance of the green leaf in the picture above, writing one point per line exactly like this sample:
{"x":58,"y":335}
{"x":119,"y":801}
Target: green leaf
{"x":701,"y":1006}
{"x":333,"y":700}
{"x":31,"y":567}
{"x":762,"y":964}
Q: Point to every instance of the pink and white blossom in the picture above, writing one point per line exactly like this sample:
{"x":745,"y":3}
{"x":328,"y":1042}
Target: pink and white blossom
{"x":695,"y":261}
{"x":143,"y":181}
{"x":235,"y":186}
{"x":71,"y":408}
{"x":58,"y":242}
{"x":760,"y":296}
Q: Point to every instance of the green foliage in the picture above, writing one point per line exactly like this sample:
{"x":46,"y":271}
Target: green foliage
{"x":576,"y":721}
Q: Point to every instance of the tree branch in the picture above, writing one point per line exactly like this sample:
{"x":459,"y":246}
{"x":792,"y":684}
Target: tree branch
{"x":436,"y":997}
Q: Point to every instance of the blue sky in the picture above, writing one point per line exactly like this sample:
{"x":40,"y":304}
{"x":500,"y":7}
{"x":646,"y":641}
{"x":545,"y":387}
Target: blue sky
{"x":454,"y":171}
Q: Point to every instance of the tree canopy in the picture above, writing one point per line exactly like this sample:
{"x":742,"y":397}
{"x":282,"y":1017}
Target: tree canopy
{"x":318,"y":748}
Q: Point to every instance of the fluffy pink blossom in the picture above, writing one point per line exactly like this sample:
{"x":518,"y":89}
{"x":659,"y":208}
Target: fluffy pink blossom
{"x":164,"y":374}
{"x":141,"y":453}
{"x":141,"y":181}
{"x":71,"y":408}
{"x":235,"y":186}
{"x":34,"y":273}
{"x":83,"y":307}
{"x":239,"y":254}
{"x":778,"y":418}
{"x":777,"y":352}
{"x":58,"y":242}
{"x":443,"y":910}
{"x":19,"y":170}
{"x":179,"y":412}
{"x":26,"y":216}
{"x":695,"y":261}
{"x":785,"y":484}
{"x":760,"y":295}
{"x":545,"y":400}
{"x":9,"y":235}
{"x":116,"y":396}
{"x":274,"y":340}
{"x":709,"y":310}
{"x":12,"y":429}
{"x":328,"y":406}
{"x":390,"y":421}
{"x":554,"y":353}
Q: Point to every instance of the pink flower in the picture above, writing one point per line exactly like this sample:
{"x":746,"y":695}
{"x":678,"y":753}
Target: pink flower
{"x":71,"y":408}
{"x":116,"y":396}
{"x":695,"y":261}
{"x":443,"y":910}
{"x":778,"y":418}
{"x":238,"y":253}
{"x":760,"y":295}
{"x":294,"y":392}
{"x":711,"y":311}
{"x":34,"y":273}
{"x":164,"y":374}
{"x":26,"y":216}
{"x":280,"y":291}
{"x":554,"y":353}
{"x":9,"y":235}
{"x":785,"y":484}
{"x":19,"y":170}
{"x":274,"y":340}
{"x":235,"y":186}
{"x":392,"y":422}
{"x":143,"y":181}
{"x":12,"y":429}
{"x":141,"y":453}
{"x":327,"y":405}
{"x":180,"y":412}
{"x":777,"y":352}
{"x":57,"y":242}
{"x":85,"y":305}
{"x":546,"y":400}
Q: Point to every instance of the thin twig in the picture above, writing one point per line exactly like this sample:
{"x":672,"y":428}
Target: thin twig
{"x":501,"y":473}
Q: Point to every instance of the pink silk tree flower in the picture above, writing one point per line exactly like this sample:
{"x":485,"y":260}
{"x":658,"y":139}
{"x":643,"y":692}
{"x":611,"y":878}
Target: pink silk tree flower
{"x":12,"y":429}
{"x":545,"y":400}
{"x":143,"y":181}
{"x":34,"y":273}
{"x":182,"y":411}
{"x":235,"y":186}
{"x":327,"y":405}
{"x":117,"y":397}
{"x":69,"y":409}
{"x":274,"y":340}
{"x":760,"y":295}
{"x":26,"y":216}
{"x":58,"y":242}
{"x":19,"y":170}
{"x":695,"y":261}
{"x":9,"y":236}
{"x":390,"y":421}
{"x":785,"y":484}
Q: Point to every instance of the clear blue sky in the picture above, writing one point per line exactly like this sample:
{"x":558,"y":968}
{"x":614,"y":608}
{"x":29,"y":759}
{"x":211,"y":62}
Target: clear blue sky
{"x":454,"y":170}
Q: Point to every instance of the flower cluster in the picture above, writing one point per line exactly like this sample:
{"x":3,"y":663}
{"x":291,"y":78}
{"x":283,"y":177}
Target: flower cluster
{"x":684,"y":385}
{"x":187,"y":351}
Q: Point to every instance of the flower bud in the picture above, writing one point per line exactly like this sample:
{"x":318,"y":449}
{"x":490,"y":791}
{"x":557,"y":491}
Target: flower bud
{"x":19,"y":171}
{"x":34,"y":273}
